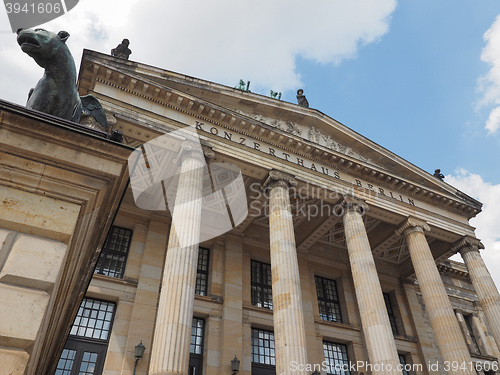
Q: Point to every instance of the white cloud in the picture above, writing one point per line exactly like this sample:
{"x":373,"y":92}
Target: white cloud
{"x":487,"y":222}
{"x":217,"y":40}
{"x":493,"y":122}
{"x":489,"y":84}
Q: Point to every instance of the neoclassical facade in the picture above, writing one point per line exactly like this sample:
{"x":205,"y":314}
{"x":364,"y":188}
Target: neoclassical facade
{"x":334,"y":259}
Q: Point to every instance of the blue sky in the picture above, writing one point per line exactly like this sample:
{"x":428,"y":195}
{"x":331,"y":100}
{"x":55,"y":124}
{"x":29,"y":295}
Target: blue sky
{"x":417,"y":77}
{"x":415,"y":90}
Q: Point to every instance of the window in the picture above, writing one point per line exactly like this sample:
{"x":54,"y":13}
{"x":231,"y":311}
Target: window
{"x":202,"y":272}
{"x":87,"y":344}
{"x":402,"y":360}
{"x":114,"y":253}
{"x":390,"y":312}
{"x":328,"y":300}
{"x":262,"y":295}
{"x":196,"y":347}
{"x":263,"y":356}
{"x":336,"y":358}
{"x":468,"y":323}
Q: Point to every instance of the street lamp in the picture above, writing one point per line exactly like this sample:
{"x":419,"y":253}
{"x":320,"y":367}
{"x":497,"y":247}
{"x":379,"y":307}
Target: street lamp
{"x":139,"y":352}
{"x":235,"y":365}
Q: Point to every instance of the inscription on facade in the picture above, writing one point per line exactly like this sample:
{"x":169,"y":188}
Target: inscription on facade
{"x":299,"y":161}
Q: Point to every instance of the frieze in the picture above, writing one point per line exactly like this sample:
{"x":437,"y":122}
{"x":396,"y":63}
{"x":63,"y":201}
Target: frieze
{"x":310,"y":133}
{"x":275,"y":152}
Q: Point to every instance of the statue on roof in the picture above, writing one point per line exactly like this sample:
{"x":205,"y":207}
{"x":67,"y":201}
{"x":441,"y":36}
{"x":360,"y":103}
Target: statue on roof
{"x":438,"y":174}
{"x":56,"y":92}
{"x":122,"y":51}
{"x":301,"y":99}
{"x":243,"y":87}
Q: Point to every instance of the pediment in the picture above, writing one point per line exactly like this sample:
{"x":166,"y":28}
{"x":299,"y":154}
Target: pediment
{"x":306,"y":131}
{"x":309,"y":133}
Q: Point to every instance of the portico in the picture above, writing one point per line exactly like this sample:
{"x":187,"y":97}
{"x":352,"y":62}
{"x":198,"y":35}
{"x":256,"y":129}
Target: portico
{"x":339,"y":260}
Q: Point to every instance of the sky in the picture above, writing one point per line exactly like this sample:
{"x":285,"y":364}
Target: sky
{"x":420,"y":78}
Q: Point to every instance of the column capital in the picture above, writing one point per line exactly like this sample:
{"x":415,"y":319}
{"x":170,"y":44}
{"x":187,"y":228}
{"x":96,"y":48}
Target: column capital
{"x":412,"y":224}
{"x":353,"y":204}
{"x":277,"y":178}
{"x":467,"y":243}
{"x":190,"y":149}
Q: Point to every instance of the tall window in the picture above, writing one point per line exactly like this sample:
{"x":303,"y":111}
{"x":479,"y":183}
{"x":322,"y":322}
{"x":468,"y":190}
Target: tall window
{"x":202,"y":272}
{"x":468,"y":323}
{"x":86,"y":347}
{"x":336,"y":358}
{"x":390,"y":312}
{"x":114,"y":253}
{"x":262,"y":295}
{"x":402,"y":360}
{"x":328,"y":299}
{"x":196,"y":347}
{"x":263,"y":356}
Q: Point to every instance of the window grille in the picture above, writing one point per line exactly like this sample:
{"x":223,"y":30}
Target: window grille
{"x":336,"y":358}
{"x":262,"y":295}
{"x":94,"y":319}
{"x":114,"y":253}
{"x":196,"y":347}
{"x":328,"y":300}
{"x":87,"y":344}
{"x":202,"y":272}
{"x":263,"y":347}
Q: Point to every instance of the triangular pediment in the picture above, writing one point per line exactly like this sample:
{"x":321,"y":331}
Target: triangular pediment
{"x":305,"y":130}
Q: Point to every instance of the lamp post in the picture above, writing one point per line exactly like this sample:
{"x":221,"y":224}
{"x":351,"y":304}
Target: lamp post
{"x":139,"y":352}
{"x":235,"y":365}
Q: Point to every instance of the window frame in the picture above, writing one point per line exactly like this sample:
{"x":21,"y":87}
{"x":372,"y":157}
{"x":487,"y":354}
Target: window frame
{"x":82,"y":343}
{"x":342,"y":353}
{"x":393,"y":320}
{"x":403,"y":360}
{"x":266,"y":290}
{"x":195,"y":358}
{"x":328,"y":315}
{"x":470,"y":330}
{"x":260,"y":366}
{"x":103,"y":265}
{"x":202,"y":274}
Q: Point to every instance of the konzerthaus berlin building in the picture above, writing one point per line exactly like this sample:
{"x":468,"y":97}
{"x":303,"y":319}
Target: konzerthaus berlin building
{"x":295,"y":244}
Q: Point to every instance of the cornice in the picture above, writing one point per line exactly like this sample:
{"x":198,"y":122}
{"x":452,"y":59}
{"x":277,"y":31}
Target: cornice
{"x":93,"y":72}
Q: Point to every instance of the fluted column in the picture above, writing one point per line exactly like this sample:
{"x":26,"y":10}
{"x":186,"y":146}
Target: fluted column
{"x":170,"y":351}
{"x":444,"y":323}
{"x":382,"y":352}
{"x":485,"y":288}
{"x":288,"y":316}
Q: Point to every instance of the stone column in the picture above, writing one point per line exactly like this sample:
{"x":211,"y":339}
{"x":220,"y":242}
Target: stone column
{"x":170,"y":351}
{"x":444,"y":323}
{"x":289,"y":331}
{"x":380,"y":345}
{"x":485,"y":288}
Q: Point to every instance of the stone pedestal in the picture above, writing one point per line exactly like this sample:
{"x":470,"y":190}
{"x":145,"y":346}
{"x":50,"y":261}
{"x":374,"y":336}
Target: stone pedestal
{"x":60,"y":186}
{"x":289,"y":331}
{"x":170,"y":351}
{"x":449,"y":338}
{"x":485,"y":288}
{"x":377,"y":331}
